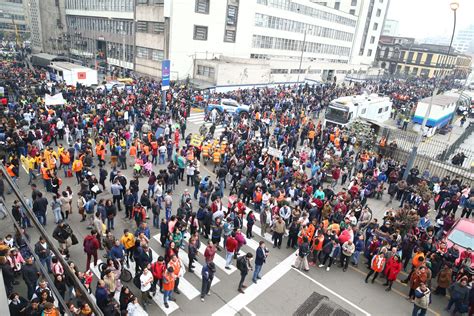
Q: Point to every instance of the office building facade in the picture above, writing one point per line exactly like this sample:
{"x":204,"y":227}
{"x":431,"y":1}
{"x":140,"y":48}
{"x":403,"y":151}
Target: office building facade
{"x":13,"y":20}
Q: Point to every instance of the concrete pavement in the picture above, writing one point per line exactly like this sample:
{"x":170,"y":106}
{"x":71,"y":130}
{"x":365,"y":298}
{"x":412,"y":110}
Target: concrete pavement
{"x":282,"y":289}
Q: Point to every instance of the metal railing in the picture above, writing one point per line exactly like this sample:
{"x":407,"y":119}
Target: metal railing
{"x":451,"y":149}
{"x":40,"y":229}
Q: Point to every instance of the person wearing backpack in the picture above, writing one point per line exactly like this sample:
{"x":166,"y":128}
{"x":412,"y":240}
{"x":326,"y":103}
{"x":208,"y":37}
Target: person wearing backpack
{"x":243,"y":264}
{"x":91,"y":245}
{"x":302,"y":257}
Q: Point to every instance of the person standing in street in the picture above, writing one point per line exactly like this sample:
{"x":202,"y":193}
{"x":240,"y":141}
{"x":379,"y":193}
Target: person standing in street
{"x":146,"y":280}
{"x":302,"y":257}
{"x":230,"y":247}
{"x":244,"y":266}
{"x":260,"y":257}
{"x":91,"y":245}
{"x":44,"y":253}
{"x":168,"y":286}
{"x":279,"y":229}
{"x":207,"y":274}
{"x":347,"y":250}
{"x":422,"y":300}
{"x":116,"y":189}
{"x":377,"y":266}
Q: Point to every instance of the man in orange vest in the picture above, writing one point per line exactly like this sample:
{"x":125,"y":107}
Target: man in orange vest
{"x":77,"y":166}
{"x":377,"y":266}
{"x":12,"y":171}
{"x":168,"y":285}
{"x":177,"y":266}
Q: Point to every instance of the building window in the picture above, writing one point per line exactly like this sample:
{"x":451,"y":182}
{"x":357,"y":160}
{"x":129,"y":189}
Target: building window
{"x":376,"y":26}
{"x":314,"y":71}
{"x":142,"y":1}
{"x":142,"y":26}
{"x":229,"y":36}
{"x":379,"y":12}
{"x":372,"y":39}
{"x":369,"y":52}
{"x":232,"y":15}
{"x":337,"y":5}
{"x":143,"y":52}
{"x":363,"y":111}
{"x":297,"y":71}
{"x":352,"y":11}
{"x":158,"y":27}
{"x":428,"y":59}
{"x":157,"y":55}
{"x":278,"y":71}
{"x":353,"y":3}
{"x":200,"y":33}
{"x":380,"y":110}
{"x":205,"y":71}
{"x":202,"y":6}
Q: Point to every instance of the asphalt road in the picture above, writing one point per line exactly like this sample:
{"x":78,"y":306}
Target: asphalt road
{"x":282,"y":289}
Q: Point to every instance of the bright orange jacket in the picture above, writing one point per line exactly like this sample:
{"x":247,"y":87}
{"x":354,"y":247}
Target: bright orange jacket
{"x":168,"y":284}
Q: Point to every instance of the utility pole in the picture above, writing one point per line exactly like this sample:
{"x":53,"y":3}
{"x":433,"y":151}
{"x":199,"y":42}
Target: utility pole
{"x":411,"y":159}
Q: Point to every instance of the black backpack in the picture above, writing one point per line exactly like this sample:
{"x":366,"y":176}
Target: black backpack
{"x":241,"y":264}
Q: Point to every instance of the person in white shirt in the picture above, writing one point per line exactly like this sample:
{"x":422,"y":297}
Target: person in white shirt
{"x":146,"y":280}
{"x":133,"y":308}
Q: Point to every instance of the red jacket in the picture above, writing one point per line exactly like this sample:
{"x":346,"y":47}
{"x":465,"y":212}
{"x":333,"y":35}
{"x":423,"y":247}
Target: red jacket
{"x":231,"y":244}
{"x":392,"y":268}
{"x":90,"y":244}
{"x":157,"y":269}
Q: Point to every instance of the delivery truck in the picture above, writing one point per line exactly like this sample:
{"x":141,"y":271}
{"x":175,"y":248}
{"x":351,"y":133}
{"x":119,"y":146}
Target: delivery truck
{"x":72,"y":74}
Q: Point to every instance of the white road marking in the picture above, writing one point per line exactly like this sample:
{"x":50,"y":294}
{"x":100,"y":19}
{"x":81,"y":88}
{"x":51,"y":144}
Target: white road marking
{"x":249,"y":311}
{"x":254,"y":290}
{"x":333,"y":293}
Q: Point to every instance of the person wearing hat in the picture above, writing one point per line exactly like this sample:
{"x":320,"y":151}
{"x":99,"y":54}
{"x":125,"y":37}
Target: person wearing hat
{"x":207,"y":276}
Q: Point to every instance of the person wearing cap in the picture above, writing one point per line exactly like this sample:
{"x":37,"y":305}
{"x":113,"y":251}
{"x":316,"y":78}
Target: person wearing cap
{"x":207,"y":276}
{"x":168,"y":285}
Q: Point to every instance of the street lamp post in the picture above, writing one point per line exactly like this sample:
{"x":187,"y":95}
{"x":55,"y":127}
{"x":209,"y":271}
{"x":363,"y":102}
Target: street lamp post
{"x":301,"y":56}
{"x":411,"y":159}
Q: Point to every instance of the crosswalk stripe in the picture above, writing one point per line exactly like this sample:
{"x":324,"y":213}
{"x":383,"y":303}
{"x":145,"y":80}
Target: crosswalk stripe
{"x":199,"y":114}
{"x":184,"y":286}
{"x":219,"y":261}
{"x":197,"y":265}
{"x":95,"y":270}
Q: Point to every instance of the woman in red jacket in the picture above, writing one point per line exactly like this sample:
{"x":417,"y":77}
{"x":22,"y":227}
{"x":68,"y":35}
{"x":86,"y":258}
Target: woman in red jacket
{"x":392,"y":269}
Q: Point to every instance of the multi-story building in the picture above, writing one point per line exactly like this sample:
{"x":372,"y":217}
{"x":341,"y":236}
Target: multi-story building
{"x":464,"y":40}
{"x":402,"y":56}
{"x":13,"y":19}
{"x":48,"y":26}
{"x":138,"y":34}
{"x":390,"y":27}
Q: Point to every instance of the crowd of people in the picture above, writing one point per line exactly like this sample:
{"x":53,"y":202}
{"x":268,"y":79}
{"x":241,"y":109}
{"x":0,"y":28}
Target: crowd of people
{"x":285,"y":172}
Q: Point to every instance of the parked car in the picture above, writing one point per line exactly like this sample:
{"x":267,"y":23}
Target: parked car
{"x":230,"y":106}
{"x":109,"y":86}
{"x":462,"y":235}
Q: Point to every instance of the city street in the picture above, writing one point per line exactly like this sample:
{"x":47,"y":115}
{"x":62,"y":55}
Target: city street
{"x":282,"y":289}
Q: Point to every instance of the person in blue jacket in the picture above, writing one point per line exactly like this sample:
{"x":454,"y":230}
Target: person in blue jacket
{"x":260,"y":258}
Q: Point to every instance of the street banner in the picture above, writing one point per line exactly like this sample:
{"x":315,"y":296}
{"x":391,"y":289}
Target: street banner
{"x":165,"y":74}
{"x":56,"y":99}
{"x":274,"y":152}
{"x":196,"y":140}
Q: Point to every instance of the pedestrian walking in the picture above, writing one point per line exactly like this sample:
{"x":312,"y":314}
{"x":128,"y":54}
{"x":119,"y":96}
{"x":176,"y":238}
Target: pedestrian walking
{"x":244,"y":266}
